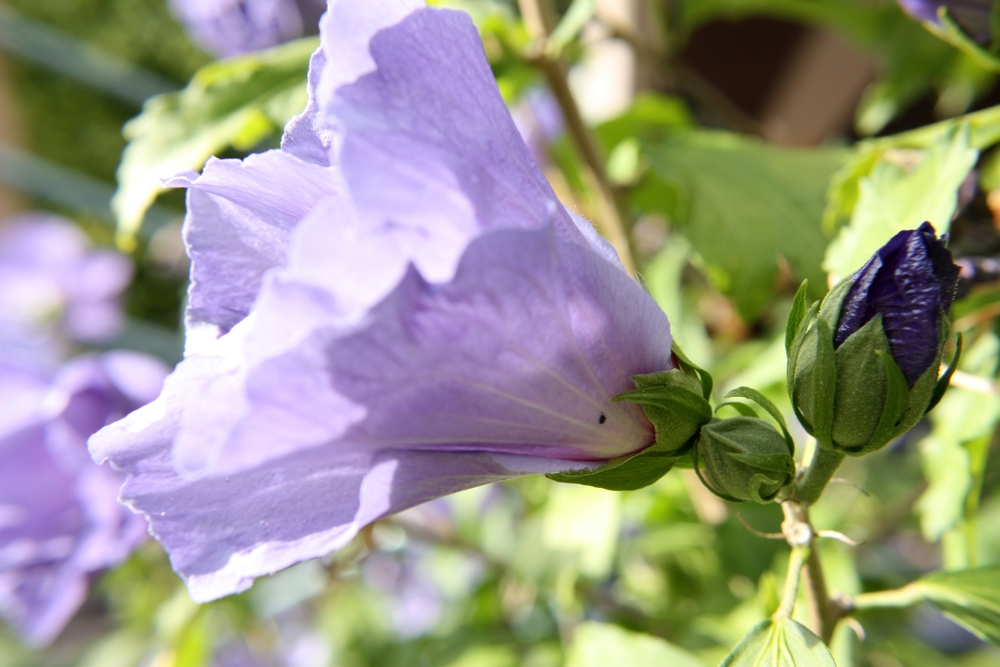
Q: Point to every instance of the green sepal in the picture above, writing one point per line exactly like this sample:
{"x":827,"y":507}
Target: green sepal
{"x":675,"y":401}
{"x":802,"y":357}
{"x":759,"y":481}
{"x":771,"y":462}
{"x":796,"y":316}
{"x":690,"y":368}
{"x":672,"y":401}
{"x":792,"y":364}
{"x":743,"y":459}
{"x":941,"y":386}
{"x":861,"y":386}
{"x":705,"y":482}
{"x":897,"y":397}
{"x":824,"y":384}
{"x":742,"y":408}
{"x":627,"y":473}
{"x":763,"y":401}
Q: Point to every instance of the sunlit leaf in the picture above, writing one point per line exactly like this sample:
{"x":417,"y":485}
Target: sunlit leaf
{"x":902,"y":191}
{"x":780,"y":643}
{"x":963,"y":416}
{"x":603,"y":644}
{"x":236,"y":102}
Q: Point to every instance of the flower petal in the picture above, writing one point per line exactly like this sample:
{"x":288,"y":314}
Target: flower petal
{"x":428,"y":143}
{"x":240,"y":216}
{"x":223,"y":532}
{"x":521,"y":353}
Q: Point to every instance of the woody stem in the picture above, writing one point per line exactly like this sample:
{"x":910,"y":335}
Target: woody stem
{"x":539,"y":17}
{"x":824,"y":613}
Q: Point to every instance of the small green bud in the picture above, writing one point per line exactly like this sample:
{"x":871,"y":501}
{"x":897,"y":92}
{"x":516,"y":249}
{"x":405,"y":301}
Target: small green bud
{"x":743,"y":459}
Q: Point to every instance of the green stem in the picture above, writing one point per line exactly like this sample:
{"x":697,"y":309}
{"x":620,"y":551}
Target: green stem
{"x":823,"y":614}
{"x":821,"y":470}
{"x":796,"y":562}
{"x":901,"y":597}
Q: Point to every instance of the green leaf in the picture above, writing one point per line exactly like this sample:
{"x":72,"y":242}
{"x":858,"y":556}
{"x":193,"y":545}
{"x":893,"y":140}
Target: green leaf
{"x":603,"y":644}
{"x":894,"y":197}
{"x":970,"y":597}
{"x":725,"y":191}
{"x":963,"y":416}
{"x":584,"y":524}
{"x":651,"y":119}
{"x":780,"y":643}
{"x":234,"y":102}
{"x":984,"y":131}
{"x":798,"y":313}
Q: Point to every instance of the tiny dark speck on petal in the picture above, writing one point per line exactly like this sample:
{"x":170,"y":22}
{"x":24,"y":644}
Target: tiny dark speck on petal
{"x":602,"y":419}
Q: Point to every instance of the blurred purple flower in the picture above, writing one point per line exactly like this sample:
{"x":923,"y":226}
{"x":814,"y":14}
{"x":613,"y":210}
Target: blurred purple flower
{"x":391,"y":308}
{"x":49,"y":273}
{"x":59,"y":516}
{"x":539,"y":121}
{"x":231,"y":27}
{"x":972,"y":15}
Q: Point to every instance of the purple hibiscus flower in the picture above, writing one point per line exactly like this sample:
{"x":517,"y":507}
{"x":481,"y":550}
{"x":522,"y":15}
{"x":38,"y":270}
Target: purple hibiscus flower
{"x":231,"y":27}
{"x":391,"y":308}
{"x":50,"y":274}
{"x":59,"y":517}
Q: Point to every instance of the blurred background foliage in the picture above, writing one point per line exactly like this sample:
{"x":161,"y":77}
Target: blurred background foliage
{"x":752,"y":144}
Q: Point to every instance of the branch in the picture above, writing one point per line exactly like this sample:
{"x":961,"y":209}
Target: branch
{"x":539,"y":19}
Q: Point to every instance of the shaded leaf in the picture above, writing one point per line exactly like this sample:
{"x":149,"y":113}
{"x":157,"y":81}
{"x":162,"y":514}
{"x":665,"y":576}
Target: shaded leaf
{"x":970,"y":597}
{"x":727,"y":192}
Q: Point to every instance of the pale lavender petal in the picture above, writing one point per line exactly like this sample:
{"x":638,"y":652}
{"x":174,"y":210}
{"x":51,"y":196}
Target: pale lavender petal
{"x":428,"y":144}
{"x":520,"y":354}
{"x":240,"y":215}
{"x":222,"y":532}
{"x":304,"y":137}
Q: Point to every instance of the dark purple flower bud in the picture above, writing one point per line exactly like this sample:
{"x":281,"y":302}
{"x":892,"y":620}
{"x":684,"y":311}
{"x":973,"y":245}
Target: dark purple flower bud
{"x":911,"y":282}
{"x":863,"y":364}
